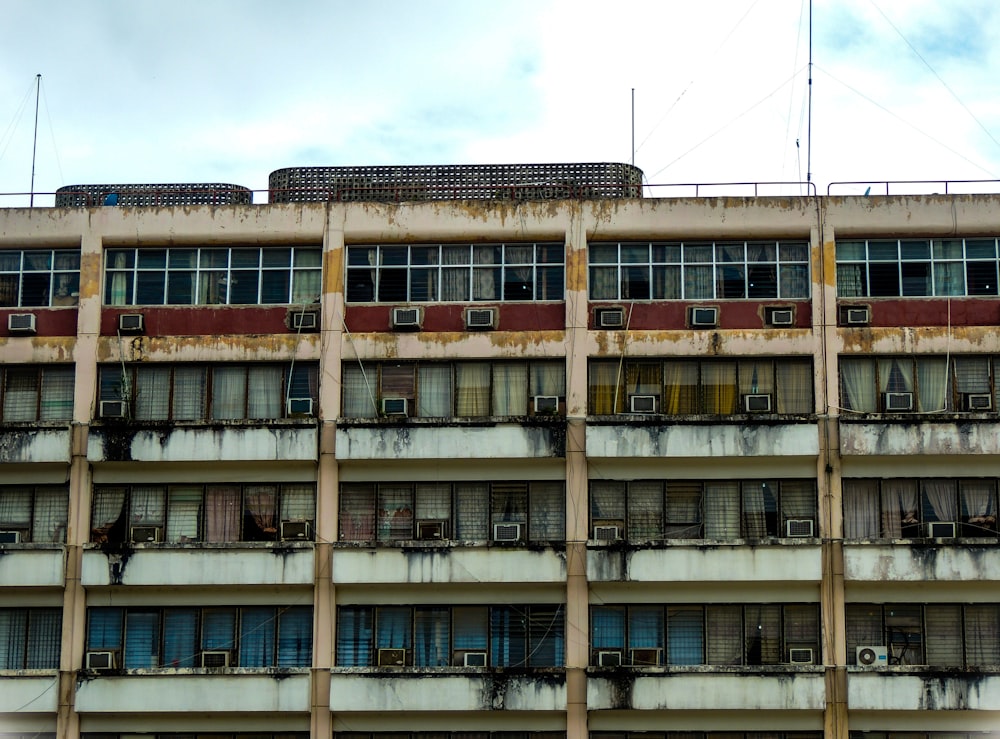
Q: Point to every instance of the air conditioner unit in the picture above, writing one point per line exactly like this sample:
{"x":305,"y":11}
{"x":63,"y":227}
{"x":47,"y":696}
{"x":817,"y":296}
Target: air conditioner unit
{"x":101,"y":660}
{"x":610,"y":318}
{"x":642,"y":403}
{"x":704,"y":317}
{"x":474,"y":659}
{"x":299,"y":407}
{"x":215,"y":659}
{"x":145,"y":534}
{"x":10,"y":537}
{"x":977,"y":401}
{"x":432,"y":530}
{"x":391,"y":657}
{"x":21,"y":323}
{"x":941,"y":529}
{"x":295,"y":531}
{"x":897,"y":402}
{"x":858,"y":316}
{"x":406,"y":318}
{"x":609,"y":658}
{"x":607,"y":533}
{"x":480,"y":318}
{"x":114,"y":409}
{"x":872,"y":656}
{"x":757,"y":403}
{"x":393,"y":406}
{"x":546,"y":405}
{"x":649,"y":657}
{"x":131,"y":323}
{"x":506,"y":532}
{"x":800,"y":656}
{"x":780,"y":316}
{"x":799,"y":527}
{"x":299,"y":320}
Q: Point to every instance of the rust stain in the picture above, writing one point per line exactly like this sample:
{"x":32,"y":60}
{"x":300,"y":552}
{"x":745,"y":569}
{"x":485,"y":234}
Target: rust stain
{"x":90,"y":275}
{"x":333,"y":271}
{"x":233,"y":347}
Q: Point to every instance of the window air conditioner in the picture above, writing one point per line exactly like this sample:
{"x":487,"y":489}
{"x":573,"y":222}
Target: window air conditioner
{"x":296,"y":531}
{"x":406,"y":318}
{"x":977,"y":401}
{"x":10,"y":537}
{"x":610,"y":318}
{"x":701,"y":317}
{"x":645,"y":657}
{"x":299,"y":407}
{"x":145,"y":534}
{"x":21,"y":323}
{"x":131,"y":323}
{"x":642,"y":403}
{"x":857,"y":316}
{"x":101,"y":660}
{"x":780,"y":316}
{"x":897,"y":402}
{"x":941,"y":529}
{"x":799,"y":527}
{"x":480,"y":318}
{"x":114,"y":409}
{"x":391,"y":657}
{"x":215,"y":659}
{"x":872,"y":656}
{"x":474,"y":659}
{"x":757,"y":403}
{"x":546,"y":405}
{"x":800,"y":656}
{"x":609,"y":658}
{"x":303,"y":320}
{"x":506,"y":532}
{"x":393,"y":406}
{"x":431,"y":530}
{"x":607,"y":533}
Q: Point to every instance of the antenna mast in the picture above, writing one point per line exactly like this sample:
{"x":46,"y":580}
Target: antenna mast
{"x":809,"y":124}
{"x":633,"y":126}
{"x":34,"y":143}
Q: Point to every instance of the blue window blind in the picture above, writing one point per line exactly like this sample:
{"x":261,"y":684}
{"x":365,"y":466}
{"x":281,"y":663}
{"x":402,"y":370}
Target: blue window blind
{"x":393,"y":628}
{"x":218,"y":629}
{"x":257,"y":637}
{"x":508,"y":629}
{"x":354,"y":637}
{"x":142,"y":640}
{"x":104,"y":629}
{"x":430,"y":637}
{"x":180,"y":637}
{"x":295,"y":637}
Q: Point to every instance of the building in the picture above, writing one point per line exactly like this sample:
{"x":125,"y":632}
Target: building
{"x":484,"y":453}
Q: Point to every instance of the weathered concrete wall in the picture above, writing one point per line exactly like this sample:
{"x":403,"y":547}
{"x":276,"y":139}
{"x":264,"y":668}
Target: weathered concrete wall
{"x":884,"y":690}
{"x":448,"y":564}
{"x":921,"y":563}
{"x":709,"y":440}
{"x":705,"y":563}
{"x":502,"y":441}
{"x":919,"y":438}
{"x":34,"y":445}
{"x":28,"y":693}
{"x":129,"y":443}
{"x":32,"y":565}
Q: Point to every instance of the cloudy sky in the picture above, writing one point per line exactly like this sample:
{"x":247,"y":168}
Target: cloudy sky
{"x":226,"y":91}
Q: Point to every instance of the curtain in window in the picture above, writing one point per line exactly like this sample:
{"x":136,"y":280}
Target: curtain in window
{"x":434,"y":391}
{"x":455,"y":281}
{"x":484,"y":280}
{"x":686,"y":637}
{"x":189,"y":393}
{"x":430,"y":637}
{"x":395,"y":512}
{"x":354,"y":636}
{"x":359,"y":392}
{"x":643,"y":378}
{"x":680,"y":388}
{"x":15,"y":508}
{"x":104,"y":628}
{"x":392,"y":628}
{"x":899,"y":508}
{"x":698,"y":280}
{"x":44,"y":632}
{"x":142,"y":637}
{"x":604,"y":283}
{"x":943,"y":635}
{"x":605,"y":389}
{"x":548,"y":378}
{"x":940,"y":500}
{"x":222,"y":513}
{"x":20,"y":398}
{"x":510,"y":390}
{"x":266,"y":392}
{"x":982,"y":635}
{"x":357,"y":513}
{"x":979,"y":506}
{"x":472,"y":389}
{"x":548,"y":511}
{"x":49,"y":520}
{"x":607,"y":627}
{"x":147,"y":506}
{"x":472,"y":511}
{"x":725,"y":635}
{"x":305,"y":285}
{"x":261,"y":502}
{"x":794,"y":386}
{"x":507,"y":636}
{"x":949,"y":278}
{"x":57,"y":394}
{"x":13,"y":629}
{"x":298,"y":502}
{"x":645,"y":627}
{"x":754,"y":510}
{"x":850,"y":280}
{"x":932,"y":380}
{"x":257,"y":637}
{"x":109,"y":505}
{"x":470,"y":625}
{"x":120,"y":280}
{"x":756,"y":377}
{"x":546,"y":643}
{"x":184,"y":510}
{"x":645,"y":512}
{"x":895,"y":374}
{"x":718,"y":381}
{"x":152,"y":393}
{"x":607,"y":501}
{"x":858,"y":378}
{"x":861,"y":518}
{"x":722,"y":510}
{"x":433,"y":502}
{"x":218,"y":629}
{"x":229,"y":393}
{"x":295,"y":637}
{"x":180,"y":645}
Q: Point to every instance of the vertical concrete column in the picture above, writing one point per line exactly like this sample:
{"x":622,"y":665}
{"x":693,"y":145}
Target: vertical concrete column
{"x":327,"y":481}
{"x":74,"y":615}
{"x":577,"y":600}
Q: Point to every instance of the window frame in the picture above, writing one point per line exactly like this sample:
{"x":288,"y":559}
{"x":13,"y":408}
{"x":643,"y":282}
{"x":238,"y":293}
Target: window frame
{"x":62,"y":287}
{"x":48,"y":378}
{"x":28,"y":527}
{"x":40,"y":632}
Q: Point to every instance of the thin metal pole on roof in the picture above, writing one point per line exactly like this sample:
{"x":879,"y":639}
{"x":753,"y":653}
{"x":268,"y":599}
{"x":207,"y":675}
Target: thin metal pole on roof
{"x":34,"y":143}
{"x":633,"y":126}
{"x":809,"y":125}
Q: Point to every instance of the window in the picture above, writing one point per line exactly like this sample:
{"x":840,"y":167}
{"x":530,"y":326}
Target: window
{"x":30,"y":513}
{"x":237,"y":275}
{"x":420,"y":273}
{"x":939,"y":635}
{"x":438,"y":636}
{"x":248,"y":636}
{"x":463,"y":389}
{"x":452,"y":735}
{"x":677,"y":270}
{"x":219,"y":392}
{"x":922,"y":384}
{"x":204,"y":513}
{"x":29,"y":638}
{"x":649,"y":510}
{"x":916,"y":267}
{"x":39,"y":278}
{"x":463,"y":511}
{"x":701,"y":387}
{"x":906,"y":508}
{"x":36,"y":393}
{"x":725,"y":735}
{"x":648,"y":635}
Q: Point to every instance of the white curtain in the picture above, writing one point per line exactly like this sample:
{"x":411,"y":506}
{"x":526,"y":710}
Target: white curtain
{"x":932,"y":379}
{"x":120,"y":280}
{"x":50,"y":516}
{"x":266,"y":392}
{"x":982,"y":635}
{"x":940,"y":494}
{"x":185,"y":509}
{"x":152,"y":393}
{"x":472,"y":389}
{"x":979,"y":502}
{"x":899,"y":506}
{"x":895,"y":374}
{"x":229,"y":393}
{"x":189,"y":393}
{"x":455,"y":280}
{"x":434,"y":391}
{"x":359,"y":399}
{"x":722,"y":510}
{"x":858,"y":376}
{"x":861,"y":519}
{"x":510,"y":390}
{"x":147,"y":506}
